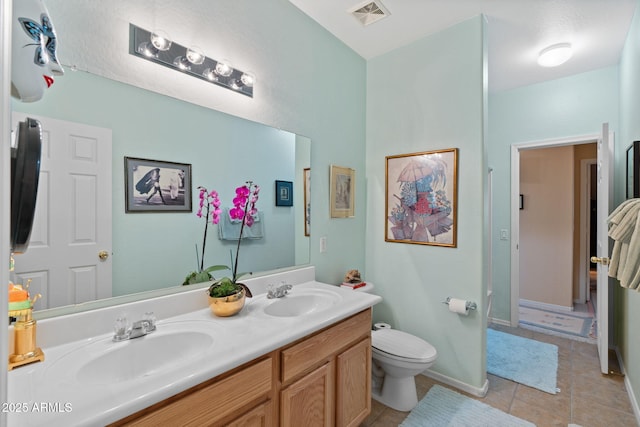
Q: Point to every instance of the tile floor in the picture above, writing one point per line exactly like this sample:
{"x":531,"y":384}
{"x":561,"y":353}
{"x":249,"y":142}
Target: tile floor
{"x":587,"y":398}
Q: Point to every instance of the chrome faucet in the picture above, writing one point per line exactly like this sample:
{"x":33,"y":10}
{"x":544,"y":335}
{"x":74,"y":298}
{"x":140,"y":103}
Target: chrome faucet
{"x":125,"y":331}
{"x":278,"y":292}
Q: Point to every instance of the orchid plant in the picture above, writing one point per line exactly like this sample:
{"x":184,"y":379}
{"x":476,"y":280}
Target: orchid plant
{"x":244,"y":210}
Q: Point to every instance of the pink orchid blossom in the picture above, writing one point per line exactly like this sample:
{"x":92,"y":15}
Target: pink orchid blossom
{"x":244,"y":210}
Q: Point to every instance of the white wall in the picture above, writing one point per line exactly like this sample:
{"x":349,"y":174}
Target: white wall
{"x":426,"y":96}
{"x":546,"y":225}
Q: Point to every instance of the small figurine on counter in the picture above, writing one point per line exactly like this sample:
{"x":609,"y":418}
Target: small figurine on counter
{"x":353,"y":280}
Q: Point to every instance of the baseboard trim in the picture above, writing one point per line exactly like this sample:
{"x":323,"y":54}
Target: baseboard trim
{"x":627,"y":384}
{"x":544,"y":305}
{"x":478,"y":392}
{"x":499,"y":321}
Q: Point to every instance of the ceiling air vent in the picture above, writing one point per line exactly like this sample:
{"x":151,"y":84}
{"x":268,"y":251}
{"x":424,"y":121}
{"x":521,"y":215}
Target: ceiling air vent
{"x":369,"y":12}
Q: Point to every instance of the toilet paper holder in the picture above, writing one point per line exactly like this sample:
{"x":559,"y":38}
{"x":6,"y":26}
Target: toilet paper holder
{"x":470,"y":305}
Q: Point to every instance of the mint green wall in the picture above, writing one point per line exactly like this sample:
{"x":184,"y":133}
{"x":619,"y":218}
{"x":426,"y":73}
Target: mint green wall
{"x":571,"y":106}
{"x":426,"y":96}
{"x":628,"y":307}
{"x":309,"y":83}
{"x":224,"y":152}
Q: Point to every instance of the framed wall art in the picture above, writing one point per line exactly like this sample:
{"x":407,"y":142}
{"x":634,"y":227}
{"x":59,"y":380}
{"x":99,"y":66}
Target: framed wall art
{"x":342,"y":192}
{"x":156,"y":186}
{"x":284,"y":193}
{"x":306,"y":179}
{"x":421,"y":198}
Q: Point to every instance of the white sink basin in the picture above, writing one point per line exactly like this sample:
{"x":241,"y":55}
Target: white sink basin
{"x":300,"y":302}
{"x":167,"y":348}
{"x":143,"y":356}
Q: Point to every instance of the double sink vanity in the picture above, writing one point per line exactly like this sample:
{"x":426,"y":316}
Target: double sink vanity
{"x":301,"y":359}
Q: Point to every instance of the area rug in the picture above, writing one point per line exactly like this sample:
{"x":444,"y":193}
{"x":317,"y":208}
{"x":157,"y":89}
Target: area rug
{"x":529,"y":362}
{"x":566,"y":323}
{"x":442,"y":407}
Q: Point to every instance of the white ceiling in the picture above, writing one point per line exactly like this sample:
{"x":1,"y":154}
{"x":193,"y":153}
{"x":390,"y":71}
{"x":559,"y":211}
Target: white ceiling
{"x":517,"y":30}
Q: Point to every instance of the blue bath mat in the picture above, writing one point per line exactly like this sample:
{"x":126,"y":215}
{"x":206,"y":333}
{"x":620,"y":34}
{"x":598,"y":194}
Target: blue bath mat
{"x":529,"y":362}
{"x":442,"y":407}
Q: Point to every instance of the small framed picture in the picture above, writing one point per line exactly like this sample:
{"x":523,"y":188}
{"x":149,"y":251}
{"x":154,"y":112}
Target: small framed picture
{"x":156,"y":186}
{"x":342,"y":192}
{"x":284,"y":193}
{"x":307,"y":201}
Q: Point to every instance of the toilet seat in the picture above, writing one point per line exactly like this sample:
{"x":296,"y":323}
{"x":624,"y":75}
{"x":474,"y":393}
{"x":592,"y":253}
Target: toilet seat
{"x":402,"y":346}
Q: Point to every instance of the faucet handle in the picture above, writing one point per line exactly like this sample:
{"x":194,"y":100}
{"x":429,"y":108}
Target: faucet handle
{"x":150,"y":318}
{"x":122,"y":329}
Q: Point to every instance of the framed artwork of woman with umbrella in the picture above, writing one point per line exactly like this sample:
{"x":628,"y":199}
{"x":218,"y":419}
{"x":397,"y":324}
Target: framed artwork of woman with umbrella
{"x":421,"y":198}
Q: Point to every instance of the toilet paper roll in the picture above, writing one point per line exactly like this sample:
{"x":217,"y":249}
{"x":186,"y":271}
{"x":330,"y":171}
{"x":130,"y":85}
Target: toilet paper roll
{"x":458,"y":306}
{"x":381,"y":325}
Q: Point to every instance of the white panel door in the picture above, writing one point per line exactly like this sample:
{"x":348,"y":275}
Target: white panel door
{"x":605,"y":193}
{"x":72,"y":225}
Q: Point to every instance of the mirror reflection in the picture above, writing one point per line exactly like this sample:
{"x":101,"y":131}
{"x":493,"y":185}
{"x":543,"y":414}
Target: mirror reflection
{"x":94,"y":122}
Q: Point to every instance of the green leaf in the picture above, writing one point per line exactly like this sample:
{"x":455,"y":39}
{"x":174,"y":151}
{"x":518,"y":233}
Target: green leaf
{"x":223,"y":287}
{"x":239,"y":275}
{"x":216,"y":268}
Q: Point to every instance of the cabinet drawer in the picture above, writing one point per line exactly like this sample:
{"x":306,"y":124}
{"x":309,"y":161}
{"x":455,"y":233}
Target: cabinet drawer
{"x":205,"y":406}
{"x":306,"y":354}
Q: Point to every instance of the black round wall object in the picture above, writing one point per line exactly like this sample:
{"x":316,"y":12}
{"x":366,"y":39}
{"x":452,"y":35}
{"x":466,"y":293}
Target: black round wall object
{"x":25,"y":172}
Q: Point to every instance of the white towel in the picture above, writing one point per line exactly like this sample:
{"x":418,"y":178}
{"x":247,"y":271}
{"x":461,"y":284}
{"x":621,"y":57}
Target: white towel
{"x":624,"y":229}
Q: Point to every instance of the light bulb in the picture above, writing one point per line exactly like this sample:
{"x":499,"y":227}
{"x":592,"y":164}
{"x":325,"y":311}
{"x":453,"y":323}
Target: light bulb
{"x":160,"y":40}
{"x":182,"y":63}
{"x":147,"y":49}
{"x":224,"y":68}
{"x":210,"y":74}
{"x":195,"y":55}
{"x":248,"y":79}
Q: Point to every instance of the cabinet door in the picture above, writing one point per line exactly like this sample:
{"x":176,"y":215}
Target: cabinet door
{"x":308,"y":401}
{"x":353,"y":384}
{"x":260,"y":416}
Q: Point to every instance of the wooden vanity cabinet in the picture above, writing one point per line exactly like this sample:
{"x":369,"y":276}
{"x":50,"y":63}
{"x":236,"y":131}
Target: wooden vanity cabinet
{"x":241,"y":397}
{"x":321,"y":380}
{"x":326,"y":378}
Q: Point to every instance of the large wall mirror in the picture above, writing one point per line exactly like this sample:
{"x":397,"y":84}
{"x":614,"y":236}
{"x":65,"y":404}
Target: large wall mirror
{"x":153,"y":250}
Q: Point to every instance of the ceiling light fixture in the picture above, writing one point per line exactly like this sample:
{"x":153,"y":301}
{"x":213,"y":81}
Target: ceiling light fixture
{"x":555,"y":55}
{"x":156,"y":47}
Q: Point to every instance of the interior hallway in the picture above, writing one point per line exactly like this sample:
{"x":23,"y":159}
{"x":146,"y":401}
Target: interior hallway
{"x":587,"y":397}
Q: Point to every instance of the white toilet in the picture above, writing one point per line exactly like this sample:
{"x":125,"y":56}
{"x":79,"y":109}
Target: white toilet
{"x":397,"y":358}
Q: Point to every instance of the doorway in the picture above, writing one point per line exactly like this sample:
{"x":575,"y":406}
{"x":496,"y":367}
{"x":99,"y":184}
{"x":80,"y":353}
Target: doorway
{"x":554,"y":220}
{"x":578,"y":282}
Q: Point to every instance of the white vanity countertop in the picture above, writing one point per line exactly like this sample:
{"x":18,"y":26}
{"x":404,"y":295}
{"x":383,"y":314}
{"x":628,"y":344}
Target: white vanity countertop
{"x":48,"y":393}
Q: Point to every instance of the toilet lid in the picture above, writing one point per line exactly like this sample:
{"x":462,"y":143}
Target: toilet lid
{"x":402,"y":344}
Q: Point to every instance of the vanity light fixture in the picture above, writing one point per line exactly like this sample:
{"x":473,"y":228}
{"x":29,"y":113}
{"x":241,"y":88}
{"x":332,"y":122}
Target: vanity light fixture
{"x":155,"y":46}
{"x":555,"y":55}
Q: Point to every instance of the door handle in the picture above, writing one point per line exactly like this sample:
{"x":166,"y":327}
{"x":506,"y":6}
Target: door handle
{"x":103,"y":255}
{"x":598,"y":260}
